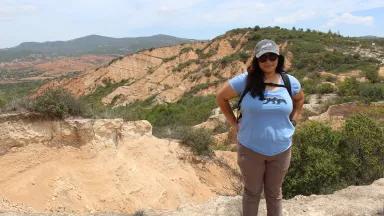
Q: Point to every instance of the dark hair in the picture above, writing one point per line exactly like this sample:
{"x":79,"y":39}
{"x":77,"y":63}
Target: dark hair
{"x":255,"y":79}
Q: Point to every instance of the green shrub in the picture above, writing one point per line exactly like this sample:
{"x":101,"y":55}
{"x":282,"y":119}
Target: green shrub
{"x":362,"y":150}
{"x":57,"y":103}
{"x":370,"y":92}
{"x":221,"y":128}
{"x":371,"y":72}
{"x":349,"y":87}
{"x":233,"y":43}
{"x":187,"y":111}
{"x":309,"y":86}
{"x":2,"y":103}
{"x":325,"y":88}
{"x":199,"y":140}
{"x":169,"y":58}
{"x":240,"y":56}
{"x":202,"y":55}
{"x":314,"y":167}
{"x":324,"y":160}
{"x":183,"y":65}
{"x":330,"y":78}
{"x":139,"y":213}
{"x":197,"y":88}
{"x":185,"y":50}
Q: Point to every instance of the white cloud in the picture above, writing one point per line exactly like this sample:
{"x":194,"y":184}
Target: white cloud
{"x":347,"y":18}
{"x":235,"y":11}
{"x":295,"y":17}
{"x":173,"y":6}
{"x":9,"y":10}
{"x":192,"y":18}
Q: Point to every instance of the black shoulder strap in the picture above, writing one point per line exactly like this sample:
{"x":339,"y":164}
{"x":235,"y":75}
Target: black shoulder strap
{"x":287,"y":82}
{"x":246,"y":90}
{"x":274,"y":84}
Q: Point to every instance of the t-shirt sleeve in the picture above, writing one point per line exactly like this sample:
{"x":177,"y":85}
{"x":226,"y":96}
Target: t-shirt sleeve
{"x":238,"y":82}
{"x":295,"y":84}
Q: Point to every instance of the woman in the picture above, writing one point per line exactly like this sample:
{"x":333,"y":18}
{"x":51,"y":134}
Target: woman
{"x":265,"y":130}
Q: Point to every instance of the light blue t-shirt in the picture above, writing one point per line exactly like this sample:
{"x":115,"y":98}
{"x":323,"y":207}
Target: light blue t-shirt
{"x":265,"y":126}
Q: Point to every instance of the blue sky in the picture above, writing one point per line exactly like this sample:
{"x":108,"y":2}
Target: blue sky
{"x":52,"y":20}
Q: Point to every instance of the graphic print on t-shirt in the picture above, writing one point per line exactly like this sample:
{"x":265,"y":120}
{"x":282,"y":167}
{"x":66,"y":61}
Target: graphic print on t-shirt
{"x":274,"y":100}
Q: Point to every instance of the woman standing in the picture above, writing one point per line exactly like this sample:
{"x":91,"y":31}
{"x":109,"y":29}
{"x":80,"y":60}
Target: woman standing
{"x":269,"y":111}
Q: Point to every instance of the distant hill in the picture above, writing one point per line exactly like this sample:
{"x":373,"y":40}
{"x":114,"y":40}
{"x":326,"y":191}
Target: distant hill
{"x":92,"y":44}
{"x":369,"y":37}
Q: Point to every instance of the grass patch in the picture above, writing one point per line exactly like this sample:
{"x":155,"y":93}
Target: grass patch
{"x":93,"y":101}
{"x":13,"y":91}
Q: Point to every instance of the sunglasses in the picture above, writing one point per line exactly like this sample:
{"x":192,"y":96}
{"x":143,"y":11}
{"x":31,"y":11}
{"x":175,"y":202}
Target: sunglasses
{"x":267,"y":56}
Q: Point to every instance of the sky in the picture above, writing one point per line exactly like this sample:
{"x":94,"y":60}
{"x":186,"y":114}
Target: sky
{"x":53,"y":20}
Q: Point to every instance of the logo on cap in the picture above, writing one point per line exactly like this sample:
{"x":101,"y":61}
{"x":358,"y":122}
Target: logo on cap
{"x":266,"y":45}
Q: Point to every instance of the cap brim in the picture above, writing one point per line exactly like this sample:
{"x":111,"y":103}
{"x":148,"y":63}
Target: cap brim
{"x":266,"y":51}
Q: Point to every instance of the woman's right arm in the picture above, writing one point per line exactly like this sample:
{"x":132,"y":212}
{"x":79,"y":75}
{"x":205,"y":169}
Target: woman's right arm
{"x":222,"y":99}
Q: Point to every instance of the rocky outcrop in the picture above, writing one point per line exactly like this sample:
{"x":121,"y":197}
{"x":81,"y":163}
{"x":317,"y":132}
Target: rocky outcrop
{"x":20,"y":130}
{"x":102,"y":165}
{"x":336,"y":115}
{"x":316,"y":102}
{"x":351,"y":201}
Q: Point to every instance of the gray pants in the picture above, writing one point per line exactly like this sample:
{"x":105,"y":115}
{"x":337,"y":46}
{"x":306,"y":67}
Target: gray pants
{"x":258,"y":170}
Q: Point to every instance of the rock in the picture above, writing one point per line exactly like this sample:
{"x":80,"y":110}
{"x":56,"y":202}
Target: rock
{"x":316,"y":101}
{"x":353,"y":201}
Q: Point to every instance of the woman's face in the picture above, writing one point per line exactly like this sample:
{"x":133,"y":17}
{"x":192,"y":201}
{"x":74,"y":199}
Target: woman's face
{"x":268,"y":62}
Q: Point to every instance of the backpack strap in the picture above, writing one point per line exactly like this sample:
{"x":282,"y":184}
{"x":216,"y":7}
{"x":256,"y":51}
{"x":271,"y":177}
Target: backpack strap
{"x":246,"y":90}
{"x":287,"y":83}
{"x":274,"y":84}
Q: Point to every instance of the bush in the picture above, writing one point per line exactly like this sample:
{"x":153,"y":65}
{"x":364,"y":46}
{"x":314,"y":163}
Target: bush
{"x":233,"y":43}
{"x":362,"y":150}
{"x":199,"y":140}
{"x":187,"y":111}
{"x":185,"y":50}
{"x":371,"y":92}
{"x":309,"y":86}
{"x":2,"y":103}
{"x":324,"y":160}
{"x":56,"y":103}
{"x":349,"y":87}
{"x":325,"y":88}
{"x":240,"y":56}
{"x":183,"y":65}
{"x":371,"y":72}
{"x":314,"y":167}
{"x":169,"y":59}
{"x":139,"y":213}
{"x":202,"y":55}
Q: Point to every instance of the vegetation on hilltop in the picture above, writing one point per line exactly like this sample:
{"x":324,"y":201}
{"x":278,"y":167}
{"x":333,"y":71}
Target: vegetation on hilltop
{"x":92,"y":44}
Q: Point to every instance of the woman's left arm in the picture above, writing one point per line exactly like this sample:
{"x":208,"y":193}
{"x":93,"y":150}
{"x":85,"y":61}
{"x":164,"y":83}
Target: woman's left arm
{"x":298,"y":102}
